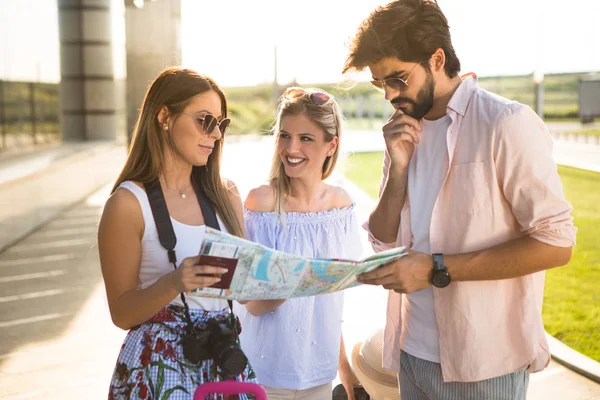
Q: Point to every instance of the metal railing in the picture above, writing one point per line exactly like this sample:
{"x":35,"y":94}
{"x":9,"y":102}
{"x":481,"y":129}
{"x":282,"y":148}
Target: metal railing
{"x":29,"y":113}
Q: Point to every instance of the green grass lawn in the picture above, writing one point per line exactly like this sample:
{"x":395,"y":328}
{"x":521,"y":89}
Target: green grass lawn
{"x":587,"y":132}
{"x":364,"y":124}
{"x":572,"y":298}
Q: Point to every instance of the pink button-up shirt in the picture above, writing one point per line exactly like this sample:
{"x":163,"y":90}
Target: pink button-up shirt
{"x":500,"y":183}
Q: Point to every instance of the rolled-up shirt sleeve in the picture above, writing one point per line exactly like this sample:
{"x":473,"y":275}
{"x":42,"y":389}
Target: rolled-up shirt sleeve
{"x":377,"y":244}
{"x":529,"y":178}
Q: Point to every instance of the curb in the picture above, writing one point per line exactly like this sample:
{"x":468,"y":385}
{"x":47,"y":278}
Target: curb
{"x":573,"y":360}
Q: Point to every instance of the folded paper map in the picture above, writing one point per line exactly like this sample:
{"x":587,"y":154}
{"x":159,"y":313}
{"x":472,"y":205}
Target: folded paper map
{"x":256,"y":272}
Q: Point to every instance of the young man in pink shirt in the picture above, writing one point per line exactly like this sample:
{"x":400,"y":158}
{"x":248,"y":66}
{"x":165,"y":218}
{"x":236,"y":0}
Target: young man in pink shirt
{"x":470,"y":187}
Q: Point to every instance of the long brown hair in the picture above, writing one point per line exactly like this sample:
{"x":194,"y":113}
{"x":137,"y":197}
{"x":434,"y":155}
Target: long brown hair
{"x":328,"y":117}
{"x":174,"y":88}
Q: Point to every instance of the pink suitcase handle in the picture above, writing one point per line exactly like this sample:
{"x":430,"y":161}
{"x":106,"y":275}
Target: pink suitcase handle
{"x":230,"y":387}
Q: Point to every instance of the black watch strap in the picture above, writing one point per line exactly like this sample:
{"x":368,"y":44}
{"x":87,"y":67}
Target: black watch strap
{"x":440,"y":277}
{"x":438,"y":262}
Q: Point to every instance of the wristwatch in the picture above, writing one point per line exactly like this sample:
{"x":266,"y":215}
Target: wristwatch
{"x":440,"y":277}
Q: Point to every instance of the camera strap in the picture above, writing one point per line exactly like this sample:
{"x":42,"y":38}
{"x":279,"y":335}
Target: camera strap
{"x":166,"y":234}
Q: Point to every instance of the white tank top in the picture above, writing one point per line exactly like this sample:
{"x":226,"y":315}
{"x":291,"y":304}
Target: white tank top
{"x":155,"y":262}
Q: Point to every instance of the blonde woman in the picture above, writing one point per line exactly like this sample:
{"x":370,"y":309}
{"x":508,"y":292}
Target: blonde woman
{"x":295,"y":345}
{"x":177,"y":142}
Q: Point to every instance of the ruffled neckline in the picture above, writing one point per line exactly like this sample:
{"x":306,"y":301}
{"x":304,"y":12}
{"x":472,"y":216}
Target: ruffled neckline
{"x":334,"y":213}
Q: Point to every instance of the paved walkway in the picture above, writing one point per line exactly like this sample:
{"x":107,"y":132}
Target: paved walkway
{"x":58,"y":340}
{"x":38,"y":186}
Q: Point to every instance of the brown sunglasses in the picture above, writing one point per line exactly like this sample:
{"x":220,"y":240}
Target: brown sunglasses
{"x":317,"y":97}
{"x":209,"y":122}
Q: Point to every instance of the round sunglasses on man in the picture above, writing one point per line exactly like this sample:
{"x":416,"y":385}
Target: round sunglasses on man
{"x":395,"y":83}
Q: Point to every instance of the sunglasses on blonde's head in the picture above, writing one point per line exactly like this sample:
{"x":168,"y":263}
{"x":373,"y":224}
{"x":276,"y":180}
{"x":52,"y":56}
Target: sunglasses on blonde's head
{"x":316,"y":97}
{"x":209,"y":122}
{"x":393,"y":83}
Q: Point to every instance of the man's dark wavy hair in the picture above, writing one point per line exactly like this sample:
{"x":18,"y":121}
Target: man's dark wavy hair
{"x":410,"y":30}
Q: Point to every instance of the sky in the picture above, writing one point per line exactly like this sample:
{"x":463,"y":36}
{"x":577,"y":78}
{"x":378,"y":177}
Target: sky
{"x":233,"y":40}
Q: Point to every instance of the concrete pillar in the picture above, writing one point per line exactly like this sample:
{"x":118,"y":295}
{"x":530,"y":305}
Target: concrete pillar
{"x":92,"y":47}
{"x":153,"y":43}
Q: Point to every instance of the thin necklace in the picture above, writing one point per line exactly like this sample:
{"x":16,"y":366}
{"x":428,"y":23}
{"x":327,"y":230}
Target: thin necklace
{"x":181,"y":192}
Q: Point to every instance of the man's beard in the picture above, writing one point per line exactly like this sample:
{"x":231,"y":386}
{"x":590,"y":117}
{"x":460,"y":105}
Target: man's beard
{"x":424,"y":102}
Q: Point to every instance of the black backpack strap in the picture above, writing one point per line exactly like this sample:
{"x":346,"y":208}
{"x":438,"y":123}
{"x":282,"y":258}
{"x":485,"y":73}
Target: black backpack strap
{"x":162,"y":219}
{"x":166,"y":234}
{"x":208,"y":211}
{"x":210,"y":219}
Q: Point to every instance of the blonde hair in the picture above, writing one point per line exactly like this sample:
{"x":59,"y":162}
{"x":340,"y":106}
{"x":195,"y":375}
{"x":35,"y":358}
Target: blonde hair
{"x":328,"y":117}
{"x":174,"y":88}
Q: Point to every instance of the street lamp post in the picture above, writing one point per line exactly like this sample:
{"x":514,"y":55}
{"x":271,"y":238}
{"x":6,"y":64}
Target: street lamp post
{"x":538,"y":73}
{"x":538,"y":90}
{"x":275,"y":83}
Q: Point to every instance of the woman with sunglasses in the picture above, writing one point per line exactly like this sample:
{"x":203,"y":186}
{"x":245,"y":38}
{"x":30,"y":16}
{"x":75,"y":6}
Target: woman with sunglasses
{"x":177,"y":141}
{"x":295,"y":345}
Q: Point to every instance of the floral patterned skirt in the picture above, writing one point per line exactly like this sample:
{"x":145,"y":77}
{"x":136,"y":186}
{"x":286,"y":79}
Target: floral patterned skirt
{"x":151,"y":364}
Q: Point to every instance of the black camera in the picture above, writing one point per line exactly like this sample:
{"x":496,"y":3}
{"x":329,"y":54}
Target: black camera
{"x":215,"y":340}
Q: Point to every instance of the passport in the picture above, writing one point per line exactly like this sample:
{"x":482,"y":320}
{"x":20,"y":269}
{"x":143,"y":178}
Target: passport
{"x":223,"y":262}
